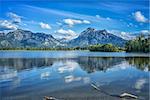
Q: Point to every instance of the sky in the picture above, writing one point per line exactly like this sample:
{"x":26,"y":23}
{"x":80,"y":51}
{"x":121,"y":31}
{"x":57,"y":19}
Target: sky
{"x":68,"y":18}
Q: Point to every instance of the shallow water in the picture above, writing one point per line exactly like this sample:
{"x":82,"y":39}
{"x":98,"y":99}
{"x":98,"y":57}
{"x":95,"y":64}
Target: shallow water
{"x":31,"y":75}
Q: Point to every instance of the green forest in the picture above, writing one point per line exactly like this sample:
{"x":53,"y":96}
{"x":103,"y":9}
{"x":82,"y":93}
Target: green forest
{"x":105,"y":48}
{"x":140,"y":44}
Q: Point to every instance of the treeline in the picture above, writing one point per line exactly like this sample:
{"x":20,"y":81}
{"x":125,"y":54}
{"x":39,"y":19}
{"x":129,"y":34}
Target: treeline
{"x":46,"y":48}
{"x":102,"y":48}
{"x":105,"y":48}
{"x":140,"y":44}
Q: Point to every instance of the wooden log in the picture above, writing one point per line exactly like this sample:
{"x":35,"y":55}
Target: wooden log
{"x":123,"y":95}
{"x":49,"y":98}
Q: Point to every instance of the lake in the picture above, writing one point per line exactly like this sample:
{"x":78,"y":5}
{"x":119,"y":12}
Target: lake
{"x":68,"y":75}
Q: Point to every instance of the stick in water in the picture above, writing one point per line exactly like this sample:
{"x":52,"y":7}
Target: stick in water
{"x":123,"y":95}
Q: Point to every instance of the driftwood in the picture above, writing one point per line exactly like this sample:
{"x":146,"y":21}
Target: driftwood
{"x":49,"y":98}
{"x":128,"y":95}
{"x":123,"y":95}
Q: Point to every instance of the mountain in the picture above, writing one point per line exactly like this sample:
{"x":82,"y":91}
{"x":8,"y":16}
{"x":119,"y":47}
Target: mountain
{"x":90,"y":36}
{"x":24,"y":38}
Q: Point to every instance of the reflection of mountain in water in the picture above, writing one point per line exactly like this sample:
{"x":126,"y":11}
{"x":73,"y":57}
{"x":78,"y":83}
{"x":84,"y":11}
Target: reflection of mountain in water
{"x":25,"y":63}
{"x":89,"y":64}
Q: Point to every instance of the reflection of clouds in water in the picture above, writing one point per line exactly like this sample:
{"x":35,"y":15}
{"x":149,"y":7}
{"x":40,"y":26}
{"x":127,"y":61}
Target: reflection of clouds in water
{"x":140,"y":83}
{"x":146,"y":69}
{"x":71,"y":78}
{"x":6,"y":74}
{"x":68,"y":66}
{"x":16,"y":83}
{"x":123,"y":66}
{"x":11,"y":75}
{"x":45,"y":75}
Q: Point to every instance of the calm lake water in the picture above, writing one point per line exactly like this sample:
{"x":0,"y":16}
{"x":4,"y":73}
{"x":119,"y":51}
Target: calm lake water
{"x":67,"y":75}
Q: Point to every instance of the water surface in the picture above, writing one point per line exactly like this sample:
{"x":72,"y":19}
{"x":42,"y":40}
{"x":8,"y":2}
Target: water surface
{"x":31,"y":75}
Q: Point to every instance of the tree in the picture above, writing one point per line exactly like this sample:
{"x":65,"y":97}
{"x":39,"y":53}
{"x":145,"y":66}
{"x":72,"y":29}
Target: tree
{"x":140,"y":44}
{"x":104,"y":48}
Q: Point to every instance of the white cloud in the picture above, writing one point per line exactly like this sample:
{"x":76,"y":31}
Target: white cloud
{"x":139,"y":17}
{"x":72,"y":22}
{"x":108,"y":18}
{"x":122,"y":34}
{"x":7,"y":25}
{"x":15,"y":18}
{"x":58,"y":23}
{"x":68,"y":34}
{"x":45,"y":26}
{"x":11,"y":24}
{"x":66,"y":14}
{"x":86,"y":22}
{"x":145,"y":31}
{"x":98,"y":16}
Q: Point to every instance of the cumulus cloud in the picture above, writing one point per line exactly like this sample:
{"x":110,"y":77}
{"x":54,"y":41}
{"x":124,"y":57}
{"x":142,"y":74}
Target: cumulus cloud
{"x":68,"y":34}
{"x":97,"y":16}
{"x":122,"y":34}
{"x":7,"y":25}
{"x":44,"y":25}
{"x":72,"y":22}
{"x":15,"y":18}
{"x":11,"y":24}
{"x":139,"y":17}
{"x":86,"y":22}
{"x":108,"y":18}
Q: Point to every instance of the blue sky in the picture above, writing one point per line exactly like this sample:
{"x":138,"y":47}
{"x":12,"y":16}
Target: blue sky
{"x":67,"y":18}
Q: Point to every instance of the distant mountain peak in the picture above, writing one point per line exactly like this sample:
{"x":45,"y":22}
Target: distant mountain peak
{"x":90,"y":28}
{"x":90,"y":36}
{"x":104,"y":31}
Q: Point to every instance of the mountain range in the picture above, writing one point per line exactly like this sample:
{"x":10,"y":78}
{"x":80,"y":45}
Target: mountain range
{"x":90,"y":36}
{"x":24,"y":38}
